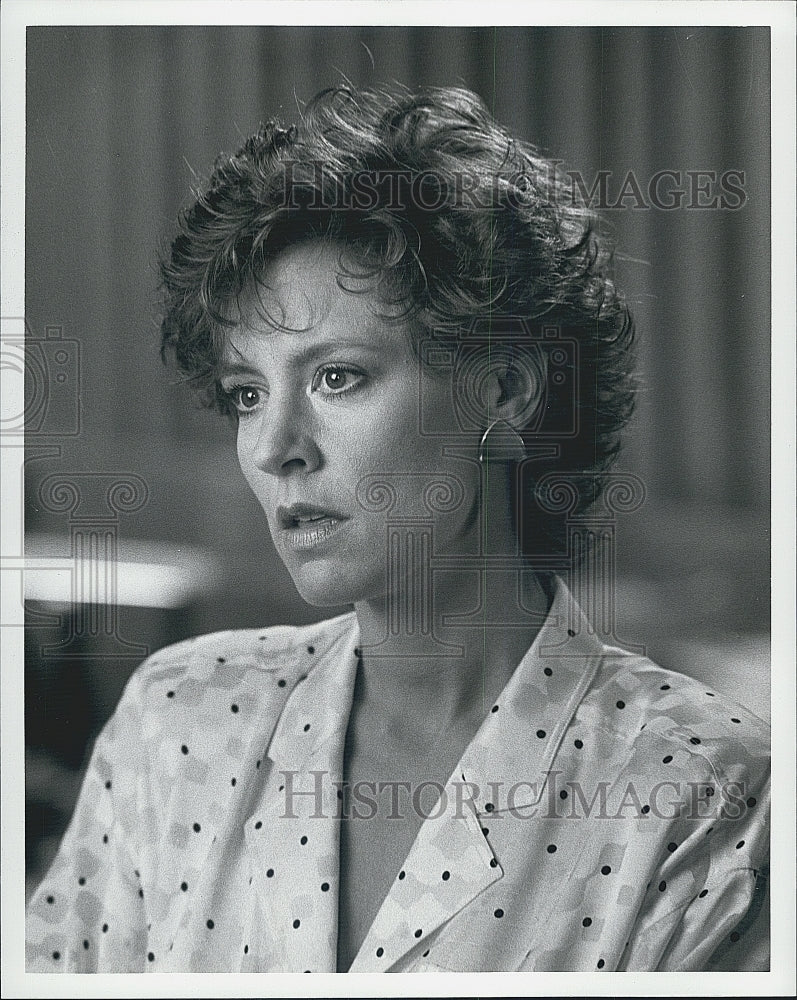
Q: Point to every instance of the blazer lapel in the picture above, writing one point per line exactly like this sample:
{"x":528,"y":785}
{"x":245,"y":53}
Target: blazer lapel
{"x":449,"y":864}
{"x":506,"y":765}
{"x":293,"y":834}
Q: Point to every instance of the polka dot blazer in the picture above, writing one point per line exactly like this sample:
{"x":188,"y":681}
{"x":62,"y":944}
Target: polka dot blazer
{"x":607,"y":815}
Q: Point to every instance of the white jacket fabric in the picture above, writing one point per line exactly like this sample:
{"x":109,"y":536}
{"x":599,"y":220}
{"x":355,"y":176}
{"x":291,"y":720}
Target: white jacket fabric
{"x":607,"y":815}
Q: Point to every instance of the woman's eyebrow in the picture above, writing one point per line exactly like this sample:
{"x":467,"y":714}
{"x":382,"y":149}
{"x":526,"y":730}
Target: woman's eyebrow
{"x":308,"y":353}
{"x":234,"y":368}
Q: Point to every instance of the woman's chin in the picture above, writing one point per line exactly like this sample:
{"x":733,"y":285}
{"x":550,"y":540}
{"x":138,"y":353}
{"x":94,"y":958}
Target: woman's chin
{"x":327,"y":586}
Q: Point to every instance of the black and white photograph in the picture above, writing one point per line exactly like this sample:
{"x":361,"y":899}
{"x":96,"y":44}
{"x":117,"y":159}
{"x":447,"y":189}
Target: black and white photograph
{"x":398,"y":499}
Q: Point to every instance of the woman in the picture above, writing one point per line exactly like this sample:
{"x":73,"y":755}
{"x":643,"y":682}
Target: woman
{"x":416,"y":334}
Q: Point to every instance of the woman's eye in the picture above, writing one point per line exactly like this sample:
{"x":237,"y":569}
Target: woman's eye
{"x":335,"y":380}
{"x":244,"y":398}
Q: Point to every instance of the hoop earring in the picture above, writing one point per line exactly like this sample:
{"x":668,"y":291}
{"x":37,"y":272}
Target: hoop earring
{"x":501,"y":444}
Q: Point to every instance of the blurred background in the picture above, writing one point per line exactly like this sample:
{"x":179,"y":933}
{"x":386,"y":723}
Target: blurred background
{"x":126,"y":477}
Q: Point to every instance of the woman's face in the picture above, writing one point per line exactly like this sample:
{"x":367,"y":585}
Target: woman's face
{"x":330,"y":400}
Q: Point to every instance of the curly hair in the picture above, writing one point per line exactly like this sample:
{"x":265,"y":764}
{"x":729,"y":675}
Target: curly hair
{"x":463,"y":224}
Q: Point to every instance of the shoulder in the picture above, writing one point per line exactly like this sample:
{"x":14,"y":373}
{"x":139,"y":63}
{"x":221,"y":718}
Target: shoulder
{"x":250,"y":661}
{"x":651,"y":708}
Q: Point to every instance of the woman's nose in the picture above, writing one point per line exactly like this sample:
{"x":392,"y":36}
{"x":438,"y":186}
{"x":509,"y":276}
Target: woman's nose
{"x":285,"y":442}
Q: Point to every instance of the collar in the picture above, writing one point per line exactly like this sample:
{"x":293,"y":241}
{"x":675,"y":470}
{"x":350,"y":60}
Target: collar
{"x":512,"y":750}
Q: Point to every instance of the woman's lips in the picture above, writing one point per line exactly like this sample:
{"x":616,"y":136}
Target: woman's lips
{"x":304,"y":526}
{"x":310,"y":533}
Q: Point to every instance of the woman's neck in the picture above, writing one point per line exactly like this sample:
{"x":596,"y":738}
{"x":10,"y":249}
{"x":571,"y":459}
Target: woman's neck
{"x":422,"y":675}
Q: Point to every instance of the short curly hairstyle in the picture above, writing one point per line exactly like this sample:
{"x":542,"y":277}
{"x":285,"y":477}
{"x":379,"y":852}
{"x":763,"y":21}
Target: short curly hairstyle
{"x":467,"y":226}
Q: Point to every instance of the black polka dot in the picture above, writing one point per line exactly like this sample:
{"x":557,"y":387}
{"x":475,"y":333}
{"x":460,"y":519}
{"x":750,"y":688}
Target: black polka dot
{"x":281,"y":682}
{"x":493,"y":863}
{"x":709,"y":792}
{"x":540,"y":734}
{"x":606,"y":870}
{"x":303,"y":840}
{"x":662,"y":885}
{"x":418,"y":932}
{"x":578,"y":744}
{"x":325,"y":887}
{"x":735,"y":936}
{"x":672,"y":846}
{"x":601,"y":963}
{"x":488,"y":806}
{"x":210,"y":925}
{"x":184,"y":748}
{"x":485,"y":830}
{"x":140,"y":893}
{"x":703,"y":893}
{"x":246,"y":946}
{"x":81,"y":881}
{"x":233,"y":782}
{"x":51,"y":900}
{"x":694,"y":740}
{"x":257,"y":763}
{"x":751,"y":802}
{"x":296,"y":923}
{"x":270,"y":873}
{"x":645,"y":809}
{"x":220,"y":659}
{"x":258,"y":824}
{"x":170,"y":694}
{"x":307,"y":727}
{"x":740,"y":844}
{"x":105,"y":838}
{"x":586,"y":922}
{"x":736,"y":720}
{"x":551,"y":848}
{"x":197,"y":827}
{"x":494,"y":708}
{"x":446,"y":876}
{"x":667,"y":759}
{"x":107,"y":784}
{"x":570,"y":632}
{"x":401,"y":874}
{"x":425,"y":953}
{"x":85,"y":944}
{"x":665,"y":687}
{"x":498,"y":913}
{"x":233,"y":708}
{"x":104,"y":928}
{"x":184,"y":886}
{"x":563,"y":793}
{"x":380,"y":952}
{"x":56,"y":955}
{"x":621,"y":704}
{"x":150,"y":957}
{"x":311,"y":649}
{"x":548,"y":672}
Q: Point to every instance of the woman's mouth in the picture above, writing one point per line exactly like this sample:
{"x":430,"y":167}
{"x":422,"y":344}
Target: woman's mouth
{"x":304,"y":526}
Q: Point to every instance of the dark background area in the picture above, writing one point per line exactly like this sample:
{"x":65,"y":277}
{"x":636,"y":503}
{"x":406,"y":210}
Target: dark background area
{"x":121,"y":122}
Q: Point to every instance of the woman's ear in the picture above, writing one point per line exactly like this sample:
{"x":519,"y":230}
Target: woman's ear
{"x":521,"y":380}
